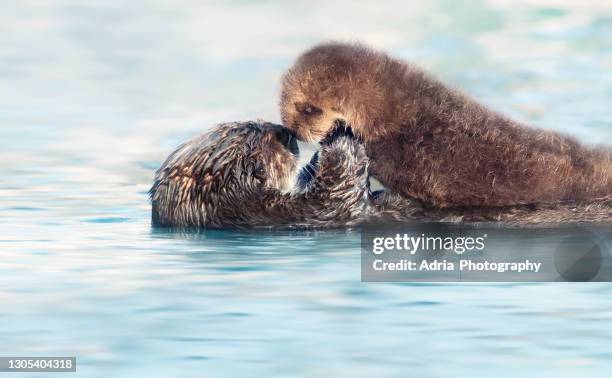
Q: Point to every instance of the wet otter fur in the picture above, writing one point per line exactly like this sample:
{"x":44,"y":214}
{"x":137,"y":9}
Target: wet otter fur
{"x":392,"y":207}
{"x":241,"y":175}
{"x":244,"y":175}
{"x":432,"y":143}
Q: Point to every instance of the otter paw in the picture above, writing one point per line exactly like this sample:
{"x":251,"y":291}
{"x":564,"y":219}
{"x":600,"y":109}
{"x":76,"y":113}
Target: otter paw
{"x":343,"y":162}
{"x":339,"y":130}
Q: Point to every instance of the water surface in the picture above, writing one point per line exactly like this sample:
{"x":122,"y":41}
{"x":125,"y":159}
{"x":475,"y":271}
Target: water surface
{"x":94,"y":95}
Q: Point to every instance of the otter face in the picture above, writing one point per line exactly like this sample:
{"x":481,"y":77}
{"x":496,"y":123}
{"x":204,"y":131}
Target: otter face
{"x":313,"y":98}
{"x":311,"y":118}
{"x":218,"y":172}
{"x":273,"y":157}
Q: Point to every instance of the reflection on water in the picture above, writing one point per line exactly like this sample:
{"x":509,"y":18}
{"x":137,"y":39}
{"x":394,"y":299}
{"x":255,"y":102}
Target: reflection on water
{"x":93,"y":95}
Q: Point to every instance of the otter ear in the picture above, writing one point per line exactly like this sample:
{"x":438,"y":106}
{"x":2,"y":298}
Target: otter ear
{"x":307,"y":109}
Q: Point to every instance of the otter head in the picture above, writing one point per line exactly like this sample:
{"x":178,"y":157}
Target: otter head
{"x":249,"y":156}
{"x":209,"y":180}
{"x":307,"y":109}
{"x":330,"y":83}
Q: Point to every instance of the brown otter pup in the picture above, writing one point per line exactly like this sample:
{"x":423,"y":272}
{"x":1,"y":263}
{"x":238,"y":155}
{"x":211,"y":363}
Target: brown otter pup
{"x":244,"y":175}
{"x":432,"y":143}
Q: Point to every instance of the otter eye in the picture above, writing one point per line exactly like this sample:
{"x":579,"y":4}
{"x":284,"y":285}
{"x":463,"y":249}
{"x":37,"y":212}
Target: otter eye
{"x":307,"y":109}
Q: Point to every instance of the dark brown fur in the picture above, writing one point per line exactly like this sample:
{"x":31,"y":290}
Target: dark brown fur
{"x":243,"y":175}
{"x":432,"y":143}
{"x":240,"y":174}
{"x":389,"y":206}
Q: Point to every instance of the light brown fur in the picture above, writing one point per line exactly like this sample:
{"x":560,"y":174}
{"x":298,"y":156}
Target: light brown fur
{"x":432,"y":143}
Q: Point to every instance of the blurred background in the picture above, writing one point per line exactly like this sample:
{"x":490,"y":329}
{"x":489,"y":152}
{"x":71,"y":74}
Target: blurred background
{"x":94,"y":95}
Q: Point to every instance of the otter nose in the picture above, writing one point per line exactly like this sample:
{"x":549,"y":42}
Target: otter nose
{"x":287,"y":138}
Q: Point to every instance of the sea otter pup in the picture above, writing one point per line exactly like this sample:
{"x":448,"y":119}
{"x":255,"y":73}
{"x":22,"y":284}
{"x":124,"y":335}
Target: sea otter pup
{"x":432,"y":143}
{"x":244,"y":175}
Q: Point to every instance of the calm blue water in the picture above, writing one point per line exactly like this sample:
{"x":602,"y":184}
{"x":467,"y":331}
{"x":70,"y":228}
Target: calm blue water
{"x":93,"y":95}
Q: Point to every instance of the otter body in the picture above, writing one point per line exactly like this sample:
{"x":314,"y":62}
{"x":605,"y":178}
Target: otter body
{"x":244,"y":175}
{"x":434,"y":144}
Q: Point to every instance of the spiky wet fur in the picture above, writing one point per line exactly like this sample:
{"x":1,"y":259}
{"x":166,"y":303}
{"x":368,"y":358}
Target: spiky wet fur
{"x":238,"y":175}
